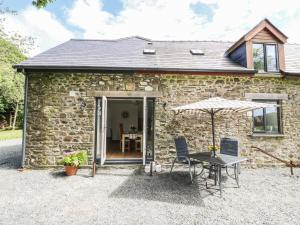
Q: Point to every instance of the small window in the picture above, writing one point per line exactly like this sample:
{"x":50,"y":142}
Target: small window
{"x":265,"y":57}
{"x":267,"y":120}
{"x":196,"y":52}
{"x":149,"y":51}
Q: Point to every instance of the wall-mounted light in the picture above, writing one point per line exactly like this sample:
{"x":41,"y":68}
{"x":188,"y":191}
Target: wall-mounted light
{"x":164,"y":105}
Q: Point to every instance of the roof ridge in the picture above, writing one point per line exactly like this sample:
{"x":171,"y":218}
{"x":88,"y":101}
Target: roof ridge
{"x":221,"y":41}
{"x":83,"y":39}
{"x":150,"y":40}
{"x":134,"y":36}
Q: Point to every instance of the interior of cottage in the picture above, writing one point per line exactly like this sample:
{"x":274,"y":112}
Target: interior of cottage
{"x":124,"y":128}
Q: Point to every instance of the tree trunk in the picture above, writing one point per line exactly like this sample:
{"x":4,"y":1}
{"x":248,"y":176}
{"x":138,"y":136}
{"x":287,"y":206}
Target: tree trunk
{"x":15,"y":116}
{"x":10,"y":120}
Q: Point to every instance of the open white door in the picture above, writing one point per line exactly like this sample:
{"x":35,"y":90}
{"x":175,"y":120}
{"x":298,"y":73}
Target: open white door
{"x":98,"y":132}
{"x":103,"y":130}
{"x":144,"y":129}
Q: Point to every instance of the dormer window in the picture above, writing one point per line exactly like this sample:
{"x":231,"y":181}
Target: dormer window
{"x":265,"y":57}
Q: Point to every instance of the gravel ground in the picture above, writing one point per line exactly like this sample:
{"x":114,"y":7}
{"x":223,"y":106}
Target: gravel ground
{"x":128,"y":196}
{"x":10,"y":153}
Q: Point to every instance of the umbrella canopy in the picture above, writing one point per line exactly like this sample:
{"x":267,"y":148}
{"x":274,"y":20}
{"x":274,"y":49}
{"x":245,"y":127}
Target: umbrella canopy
{"x":222,"y":104}
{"x":218,"y":105}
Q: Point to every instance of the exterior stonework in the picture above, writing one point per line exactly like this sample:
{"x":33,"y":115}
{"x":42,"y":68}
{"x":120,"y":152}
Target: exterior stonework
{"x":57,"y":121}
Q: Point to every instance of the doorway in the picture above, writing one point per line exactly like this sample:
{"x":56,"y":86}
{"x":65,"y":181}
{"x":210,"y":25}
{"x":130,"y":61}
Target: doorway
{"x":124,"y":130}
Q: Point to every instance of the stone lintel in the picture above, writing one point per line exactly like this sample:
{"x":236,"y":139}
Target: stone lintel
{"x":267,"y":96}
{"x":135,"y":94}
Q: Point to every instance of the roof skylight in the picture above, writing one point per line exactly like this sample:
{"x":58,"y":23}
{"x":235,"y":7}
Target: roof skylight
{"x":196,"y":52}
{"x":149,"y":51}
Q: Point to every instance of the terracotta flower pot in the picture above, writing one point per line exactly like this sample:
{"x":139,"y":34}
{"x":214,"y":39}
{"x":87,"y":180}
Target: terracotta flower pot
{"x":71,"y":170}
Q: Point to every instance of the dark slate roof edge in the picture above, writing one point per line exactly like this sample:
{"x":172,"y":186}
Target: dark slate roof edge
{"x":92,"y":68}
{"x":113,"y":40}
{"x":150,"y":40}
{"x":292,"y":73}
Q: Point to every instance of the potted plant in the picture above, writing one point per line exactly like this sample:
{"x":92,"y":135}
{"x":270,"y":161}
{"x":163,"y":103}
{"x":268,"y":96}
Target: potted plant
{"x":213,"y":149}
{"x":72,"y":160}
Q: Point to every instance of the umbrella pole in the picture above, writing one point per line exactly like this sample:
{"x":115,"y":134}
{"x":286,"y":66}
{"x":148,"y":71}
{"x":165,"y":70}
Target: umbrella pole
{"x":212,"y":114}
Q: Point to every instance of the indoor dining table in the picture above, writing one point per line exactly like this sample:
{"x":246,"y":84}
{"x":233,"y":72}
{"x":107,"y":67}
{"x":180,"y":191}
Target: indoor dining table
{"x":131,"y":136}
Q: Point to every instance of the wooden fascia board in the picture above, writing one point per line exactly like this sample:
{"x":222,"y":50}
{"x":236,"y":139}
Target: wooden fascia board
{"x":264,"y":24}
{"x":249,"y":54}
{"x":259,"y":27}
{"x":281,"y":57}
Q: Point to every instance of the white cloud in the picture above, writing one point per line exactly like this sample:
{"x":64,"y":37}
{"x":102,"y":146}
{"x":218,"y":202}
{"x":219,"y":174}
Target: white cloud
{"x":174,"y":19}
{"x":156,"y":19}
{"x":41,"y":25}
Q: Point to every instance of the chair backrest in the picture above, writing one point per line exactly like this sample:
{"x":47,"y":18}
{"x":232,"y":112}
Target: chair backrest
{"x":229,"y":146}
{"x":181,"y":148}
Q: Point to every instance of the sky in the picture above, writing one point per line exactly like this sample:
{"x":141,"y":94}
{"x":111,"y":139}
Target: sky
{"x":225,"y":20}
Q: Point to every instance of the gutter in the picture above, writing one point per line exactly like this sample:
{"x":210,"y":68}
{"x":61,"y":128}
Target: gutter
{"x":92,"y":68}
{"x":24,"y":121}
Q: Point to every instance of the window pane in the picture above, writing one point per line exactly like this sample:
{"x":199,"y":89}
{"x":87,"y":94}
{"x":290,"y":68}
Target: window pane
{"x":258,"y":120}
{"x":271,"y":58}
{"x":272,"y":120}
{"x":258,"y":57}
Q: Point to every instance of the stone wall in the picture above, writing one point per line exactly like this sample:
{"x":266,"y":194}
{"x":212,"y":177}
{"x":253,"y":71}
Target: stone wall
{"x":57,"y":122}
{"x":179,"y":89}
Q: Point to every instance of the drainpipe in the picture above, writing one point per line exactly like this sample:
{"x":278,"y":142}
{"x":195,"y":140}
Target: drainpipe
{"x":24,"y":120}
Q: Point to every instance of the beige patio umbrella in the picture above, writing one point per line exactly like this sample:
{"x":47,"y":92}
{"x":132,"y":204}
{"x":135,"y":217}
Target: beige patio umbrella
{"x":216,"y":105}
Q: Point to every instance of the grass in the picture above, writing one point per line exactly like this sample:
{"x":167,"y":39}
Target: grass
{"x":10,"y":134}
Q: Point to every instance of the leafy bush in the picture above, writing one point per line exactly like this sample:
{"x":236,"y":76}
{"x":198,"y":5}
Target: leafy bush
{"x":74,"y":158}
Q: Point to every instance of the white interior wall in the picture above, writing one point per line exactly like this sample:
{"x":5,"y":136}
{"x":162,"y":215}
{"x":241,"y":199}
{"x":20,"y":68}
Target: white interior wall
{"x":114,"y":116}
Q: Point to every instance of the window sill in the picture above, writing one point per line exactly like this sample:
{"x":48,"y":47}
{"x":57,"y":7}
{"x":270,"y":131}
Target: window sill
{"x":268,"y":74}
{"x":265,"y":135}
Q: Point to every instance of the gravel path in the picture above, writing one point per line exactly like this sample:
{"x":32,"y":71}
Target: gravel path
{"x":10,"y":153}
{"x":128,"y":196}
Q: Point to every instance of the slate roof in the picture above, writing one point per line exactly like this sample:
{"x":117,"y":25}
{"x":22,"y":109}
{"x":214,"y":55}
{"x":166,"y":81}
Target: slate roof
{"x":292,"y":58}
{"x":127,"y":54}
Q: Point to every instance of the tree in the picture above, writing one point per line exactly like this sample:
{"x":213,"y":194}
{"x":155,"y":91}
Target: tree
{"x":12,"y":47}
{"x":41,"y":3}
{"x":11,"y":82}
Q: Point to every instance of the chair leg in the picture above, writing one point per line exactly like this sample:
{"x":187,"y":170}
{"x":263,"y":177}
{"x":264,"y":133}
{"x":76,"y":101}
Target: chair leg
{"x":190,"y":170}
{"x":239,"y":168}
{"x":216,"y":177}
{"x":220,"y":179}
{"x":172,"y":166}
{"x":236,"y":174}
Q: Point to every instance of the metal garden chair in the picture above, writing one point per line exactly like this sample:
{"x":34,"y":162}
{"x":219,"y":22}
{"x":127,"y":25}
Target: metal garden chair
{"x":230,"y":146}
{"x":182,"y":156}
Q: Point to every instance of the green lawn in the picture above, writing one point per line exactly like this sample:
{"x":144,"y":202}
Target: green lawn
{"x":10,"y":134}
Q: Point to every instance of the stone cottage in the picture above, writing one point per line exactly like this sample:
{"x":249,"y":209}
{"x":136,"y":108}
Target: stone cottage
{"x":113,"y":98}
